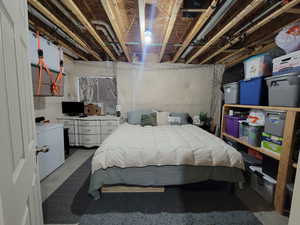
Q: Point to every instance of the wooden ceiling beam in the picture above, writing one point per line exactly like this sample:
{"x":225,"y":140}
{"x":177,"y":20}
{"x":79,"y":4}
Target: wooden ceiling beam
{"x":142,"y":21}
{"x":194,"y":10}
{"x":294,"y":10}
{"x":175,"y":9}
{"x":36,"y":4}
{"x":254,"y":28}
{"x":198,"y":26}
{"x":77,"y":12}
{"x":259,"y":50}
{"x":111,"y":9}
{"x":43,"y":28}
{"x":245,"y":12}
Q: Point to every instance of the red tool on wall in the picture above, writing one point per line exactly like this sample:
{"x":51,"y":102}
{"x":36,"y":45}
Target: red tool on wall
{"x":57,"y":84}
{"x":54,"y":84}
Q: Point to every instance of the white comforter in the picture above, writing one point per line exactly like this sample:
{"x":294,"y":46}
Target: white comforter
{"x":136,"y":146}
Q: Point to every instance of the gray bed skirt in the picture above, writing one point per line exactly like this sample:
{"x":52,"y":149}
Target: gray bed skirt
{"x":161,"y":176}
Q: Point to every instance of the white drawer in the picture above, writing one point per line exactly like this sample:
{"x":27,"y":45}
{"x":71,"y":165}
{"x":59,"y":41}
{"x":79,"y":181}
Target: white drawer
{"x":111,"y":123}
{"x":69,"y":123}
{"x":88,"y":123}
{"x":108,"y":129}
{"x":88,"y":130}
{"x":89,"y":140}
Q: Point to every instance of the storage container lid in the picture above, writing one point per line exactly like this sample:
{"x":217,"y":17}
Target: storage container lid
{"x":279,"y":77}
{"x":230,"y":84}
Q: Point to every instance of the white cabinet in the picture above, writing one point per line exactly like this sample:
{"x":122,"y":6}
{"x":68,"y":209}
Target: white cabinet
{"x":51,"y":135}
{"x":89,"y":131}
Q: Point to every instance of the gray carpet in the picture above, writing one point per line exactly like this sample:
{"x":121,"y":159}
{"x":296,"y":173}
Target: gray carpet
{"x":70,"y":201}
{"x":213,"y":218}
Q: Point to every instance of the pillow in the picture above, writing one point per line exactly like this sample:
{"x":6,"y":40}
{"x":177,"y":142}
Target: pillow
{"x":148,"y":119}
{"x":162,"y":118}
{"x":183,"y":116}
{"x":174,"y":120}
{"x":134,"y":117}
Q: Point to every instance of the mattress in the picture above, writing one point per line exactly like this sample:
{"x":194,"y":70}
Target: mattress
{"x":133,"y":146}
{"x":161,"y":156}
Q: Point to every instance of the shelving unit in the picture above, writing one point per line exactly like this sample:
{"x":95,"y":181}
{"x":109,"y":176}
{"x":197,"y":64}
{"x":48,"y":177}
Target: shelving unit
{"x":285,"y":158}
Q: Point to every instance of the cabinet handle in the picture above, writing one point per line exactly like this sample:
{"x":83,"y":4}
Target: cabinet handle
{"x":42,"y":149}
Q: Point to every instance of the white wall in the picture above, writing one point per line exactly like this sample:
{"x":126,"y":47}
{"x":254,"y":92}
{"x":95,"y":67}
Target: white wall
{"x":168,"y":87}
{"x":50,"y":107}
{"x":51,"y":52}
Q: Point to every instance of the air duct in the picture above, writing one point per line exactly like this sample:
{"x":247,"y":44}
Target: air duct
{"x":211,"y":24}
{"x":110,"y":31}
{"x":52,"y":26}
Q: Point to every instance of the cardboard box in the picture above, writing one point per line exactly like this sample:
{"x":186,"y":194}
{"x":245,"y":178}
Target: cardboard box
{"x":92,"y":110}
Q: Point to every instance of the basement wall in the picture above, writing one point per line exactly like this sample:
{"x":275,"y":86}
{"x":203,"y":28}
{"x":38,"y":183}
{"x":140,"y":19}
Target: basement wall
{"x":167,"y":87}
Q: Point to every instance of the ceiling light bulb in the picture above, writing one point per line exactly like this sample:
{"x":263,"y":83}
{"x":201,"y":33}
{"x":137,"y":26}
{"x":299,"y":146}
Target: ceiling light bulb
{"x":148,"y":37}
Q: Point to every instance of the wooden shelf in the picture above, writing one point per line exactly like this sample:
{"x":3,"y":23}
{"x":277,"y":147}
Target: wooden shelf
{"x":273,"y":155}
{"x":285,"y":158}
{"x":263,"y":107}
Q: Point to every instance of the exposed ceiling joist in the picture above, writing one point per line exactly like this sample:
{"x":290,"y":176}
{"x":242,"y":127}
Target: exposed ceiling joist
{"x":231,"y":55}
{"x":62,"y":26}
{"x":254,"y":28}
{"x":142,"y":21}
{"x":258,"y":50}
{"x":173,"y":16}
{"x":76,"y":11}
{"x":52,"y":37}
{"x":111,"y":9}
{"x":193,"y":10}
{"x":198,"y":26}
{"x":294,"y":10}
{"x":251,"y":7}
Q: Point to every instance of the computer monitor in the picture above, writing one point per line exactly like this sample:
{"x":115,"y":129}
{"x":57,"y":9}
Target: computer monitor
{"x":72,"y":108}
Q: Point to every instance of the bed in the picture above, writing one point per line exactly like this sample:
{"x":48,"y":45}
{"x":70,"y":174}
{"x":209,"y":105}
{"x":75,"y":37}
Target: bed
{"x":161,"y":156}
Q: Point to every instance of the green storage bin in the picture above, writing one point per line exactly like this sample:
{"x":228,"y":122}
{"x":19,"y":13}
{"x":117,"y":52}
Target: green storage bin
{"x":271,"y":146}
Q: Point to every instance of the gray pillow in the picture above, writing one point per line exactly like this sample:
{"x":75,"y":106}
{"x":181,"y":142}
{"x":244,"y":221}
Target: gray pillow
{"x":183,"y":117}
{"x":134,"y":117}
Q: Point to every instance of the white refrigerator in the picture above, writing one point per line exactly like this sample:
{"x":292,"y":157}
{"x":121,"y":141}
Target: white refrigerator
{"x":51,"y":135}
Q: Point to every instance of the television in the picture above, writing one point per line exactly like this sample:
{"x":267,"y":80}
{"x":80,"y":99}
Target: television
{"x":72,"y":108}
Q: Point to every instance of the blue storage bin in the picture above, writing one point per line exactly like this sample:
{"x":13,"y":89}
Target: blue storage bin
{"x":253,"y":92}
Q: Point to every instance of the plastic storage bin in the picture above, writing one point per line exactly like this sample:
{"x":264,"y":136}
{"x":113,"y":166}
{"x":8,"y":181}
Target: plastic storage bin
{"x":284,"y":90}
{"x":289,"y":63}
{"x":243,"y":130}
{"x":231,"y":92}
{"x":271,"y":143}
{"x":232,"y":125}
{"x":253,"y":92}
{"x":254,"y":135}
{"x":274,"y":123}
{"x":263,"y":184}
{"x":258,"y":66}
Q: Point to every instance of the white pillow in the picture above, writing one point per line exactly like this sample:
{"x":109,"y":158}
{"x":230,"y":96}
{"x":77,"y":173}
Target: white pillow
{"x":162,"y":118}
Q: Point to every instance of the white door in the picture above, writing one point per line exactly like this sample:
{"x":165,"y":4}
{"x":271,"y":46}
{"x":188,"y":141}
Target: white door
{"x":295,"y":216}
{"x":20,"y":202}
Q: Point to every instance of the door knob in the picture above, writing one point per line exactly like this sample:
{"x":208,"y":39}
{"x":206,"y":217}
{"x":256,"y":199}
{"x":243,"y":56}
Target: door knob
{"x":43,"y":149}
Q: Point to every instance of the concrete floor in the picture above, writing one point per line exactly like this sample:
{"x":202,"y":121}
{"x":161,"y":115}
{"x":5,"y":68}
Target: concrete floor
{"x":53,"y":181}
